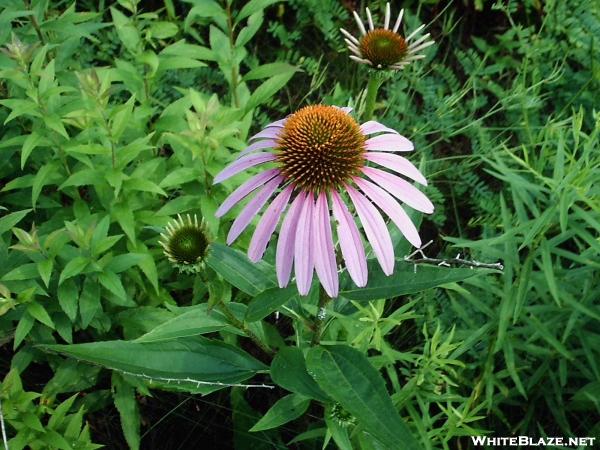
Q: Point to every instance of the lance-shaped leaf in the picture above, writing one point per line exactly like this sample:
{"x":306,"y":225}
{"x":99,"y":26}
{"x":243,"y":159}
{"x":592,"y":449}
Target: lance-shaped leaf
{"x":349,"y":378}
{"x":182,"y":361}
{"x":406,"y":280}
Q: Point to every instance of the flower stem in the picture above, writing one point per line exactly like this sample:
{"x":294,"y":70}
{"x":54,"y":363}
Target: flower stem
{"x":242,"y":326}
{"x":372,"y":88}
{"x":320,"y":318}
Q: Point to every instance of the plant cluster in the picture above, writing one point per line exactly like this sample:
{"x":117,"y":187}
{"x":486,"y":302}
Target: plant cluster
{"x":117,"y":292}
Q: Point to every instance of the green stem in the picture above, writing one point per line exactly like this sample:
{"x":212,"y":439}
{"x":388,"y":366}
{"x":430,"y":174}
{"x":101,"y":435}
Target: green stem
{"x":242,"y":326}
{"x":320,"y":318}
{"x":372,"y":89}
{"x":234,"y":68}
{"x":35,"y":24}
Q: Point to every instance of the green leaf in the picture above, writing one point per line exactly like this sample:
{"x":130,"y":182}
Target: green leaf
{"x":405,"y":281}
{"x":126,"y":404}
{"x":208,"y":8}
{"x":238,"y":270}
{"x":112,"y":282}
{"x":283,"y":411}
{"x":269,"y":70}
{"x":124,"y":216}
{"x":23,"y":272}
{"x":89,"y":301}
{"x":122,"y":118}
{"x":10,"y":220}
{"x":45,"y":269}
{"x":248,"y":32}
{"x":181,"y":360}
{"x":73,"y":268}
{"x":180,"y":176}
{"x":267,"y":89}
{"x":29,"y":145}
{"x":195,"y":321}
{"x":349,"y":378}
{"x":23,"y":328}
{"x":252,"y":7}
{"x":128,"y":34}
{"x":548,"y":270}
{"x":46,"y":78}
{"x":288,"y":370}
{"x":87,"y":149}
{"x":163,"y":30}
{"x":268,"y":301}
{"x":68,"y":297}
{"x":148,"y":266}
{"x":83,"y":177}
{"x":39,"y":313}
{"x":54,"y":122}
{"x":141,"y":184}
{"x":42,"y":178}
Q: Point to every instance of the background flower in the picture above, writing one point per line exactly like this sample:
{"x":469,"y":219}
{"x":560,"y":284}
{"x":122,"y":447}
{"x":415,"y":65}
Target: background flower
{"x":385,"y":48}
{"x":185,"y":243}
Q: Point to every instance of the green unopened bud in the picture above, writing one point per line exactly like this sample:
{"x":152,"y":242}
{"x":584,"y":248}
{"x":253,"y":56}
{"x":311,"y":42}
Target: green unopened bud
{"x":89,"y":82}
{"x":19,"y":51}
{"x":185,"y":243}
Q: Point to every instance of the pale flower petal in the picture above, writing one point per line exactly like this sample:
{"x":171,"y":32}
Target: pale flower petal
{"x":267,"y":224}
{"x":252,"y":209}
{"x":375,"y":229}
{"x":324,"y":255}
{"x":351,"y":244}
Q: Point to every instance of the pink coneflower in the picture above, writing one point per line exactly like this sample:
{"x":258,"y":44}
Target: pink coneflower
{"x":385,"y":48}
{"x":320,"y":156}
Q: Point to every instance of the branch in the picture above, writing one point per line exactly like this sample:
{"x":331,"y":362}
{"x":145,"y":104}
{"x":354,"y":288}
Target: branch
{"x":4,"y":438}
{"x":198,"y":383}
{"x":458,"y":261}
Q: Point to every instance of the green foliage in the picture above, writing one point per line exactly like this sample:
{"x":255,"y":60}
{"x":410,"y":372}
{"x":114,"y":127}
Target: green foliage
{"x":117,"y":117}
{"x":24,"y":411}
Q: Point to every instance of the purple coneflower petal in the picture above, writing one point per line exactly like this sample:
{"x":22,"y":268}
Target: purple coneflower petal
{"x":375,"y":229}
{"x":392,"y":208}
{"x":350,"y":242}
{"x":252,"y":208}
{"x":353,"y":48}
{"x":370,"y":19}
{"x":414,"y":33}
{"x":284,"y":256}
{"x":267,"y":224}
{"x":242,"y":164}
{"x":421,"y":47}
{"x":398,"y":164}
{"x":346,"y":109}
{"x":372,"y":126}
{"x":271,"y":132}
{"x":418,"y":41}
{"x":361,"y":60}
{"x":263,"y":143}
{"x":398,"y":21}
{"x":388,"y":13}
{"x":401,"y":189}
{"x":245,"y":189}
{"x":389,"y":143}
{"x":278,"y":123}
{"x":303,"y":255}
{"x":359,"y":22}
{"x":324,"y":255}
{"x":349,"y":36}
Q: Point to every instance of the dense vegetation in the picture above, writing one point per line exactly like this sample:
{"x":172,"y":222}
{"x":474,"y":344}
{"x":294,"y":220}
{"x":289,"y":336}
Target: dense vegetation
{"x":117,"y":116}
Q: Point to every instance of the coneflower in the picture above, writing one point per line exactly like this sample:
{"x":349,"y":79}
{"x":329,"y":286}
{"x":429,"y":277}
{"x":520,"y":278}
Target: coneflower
{"x":185,"y":243}
{"x":385,"y":48}
{"x":320,"y":158}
